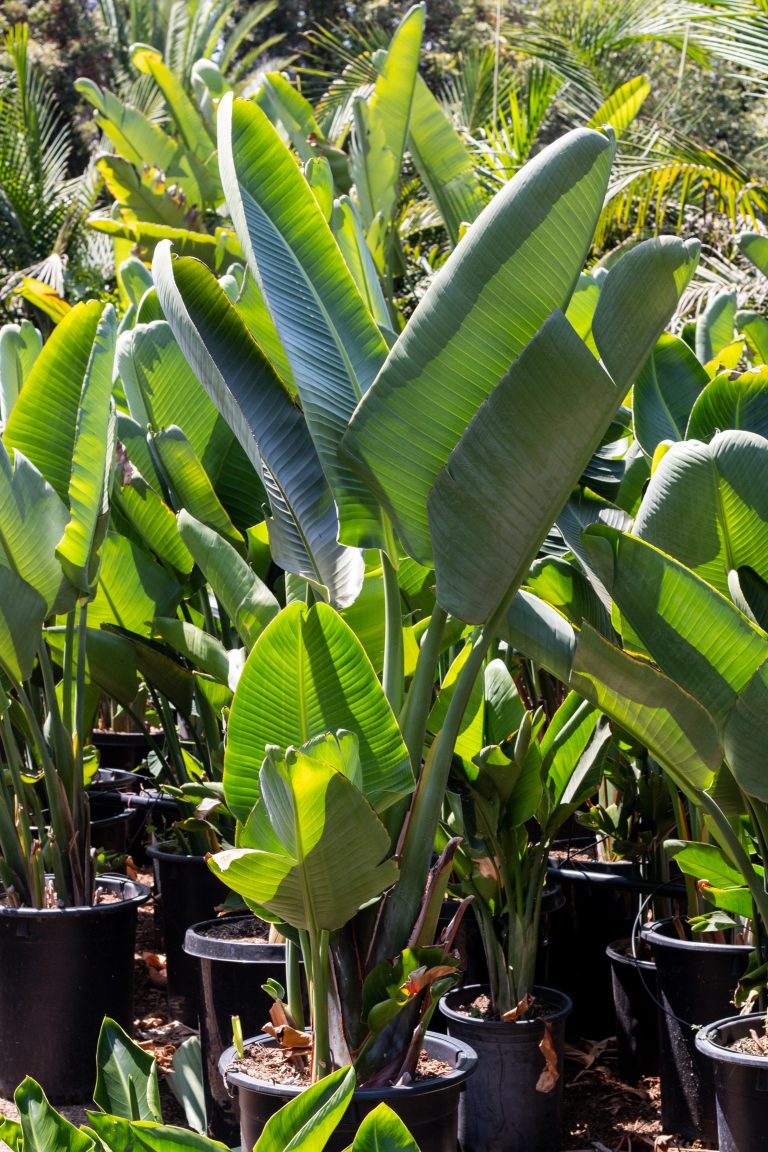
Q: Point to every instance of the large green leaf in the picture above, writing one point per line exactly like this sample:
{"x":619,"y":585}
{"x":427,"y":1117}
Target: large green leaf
{"x":707,"y":505}
{"x":381,"y":122}
{"x":755,"y":328}
{"x":109,"y":661}
{"x":715,"y":325}
{"x":53,"y":387}
{"x":310,"y":1118}
{"x":520,"y":260}
{"x":20,"y":346}
{"x":152,"y":519}
{"x":665,"y":392}
{"x":347,"y":227}
{"x":218,"y":251}
{"x":285,"y":105}
{"x":126,"y":1076}
{"x":382,"y":1130}
{"x":493,"y":503}
{"x":201,"y":649}
{"x":563,"y":585}
{"x":326,"y":683}
{"x":45,"y":1129}
{"x":140,"y":198}
{"x":271,"y":429}
{"x":191,"y":484}
{"x":719,"y":882}
{"x":731,"y":403}
{"x":330,"y":338}
{"x":573,"y":751}
{"x":32,"y":522}
{"x":657,"y":712}
{"x":246,"y":599}
{"x":165,"y":1138}
{"x":133,"y":588}
{"x":22,"y":612}
{"x":313,"y":821}
{"x":92,"y":453}
{"x":443,"y":162}
{"x":541,"y":632}
{"x":754,"y":245}
{"x":637,"y":300}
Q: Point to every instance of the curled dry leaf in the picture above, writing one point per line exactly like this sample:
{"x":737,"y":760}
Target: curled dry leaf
{"x":521,"y":1007}
{"x":156,"y":969}
{"x":549,"y":1073}
{"x":289,"y":1037}
{"x":422,"y":977}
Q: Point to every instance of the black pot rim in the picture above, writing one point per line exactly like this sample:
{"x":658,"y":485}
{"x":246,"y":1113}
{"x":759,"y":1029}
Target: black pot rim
{"x":465,"y":1068}
{"x":159,"y":852}
{"x":615,"y":952}
{"x":506,"y":1025}
{"x":206,"y":947}
{"x":708,"y":1045}
{"x":653,"y":935}
{"x":133,"y":892}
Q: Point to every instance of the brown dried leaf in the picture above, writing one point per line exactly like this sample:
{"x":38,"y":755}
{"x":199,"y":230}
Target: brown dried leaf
{"x":289,"y":1037}
{"x":422,"y":977}
{"x":549,"y":1073}
{"x":516,"y":1012}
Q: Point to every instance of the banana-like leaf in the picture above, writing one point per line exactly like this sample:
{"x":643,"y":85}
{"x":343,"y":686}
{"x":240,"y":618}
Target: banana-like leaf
{"x":20,"y":346}
{"x":700,"y":640}
{"x":92,"y":453}
{"x":158,"y":667}
{"x":270,"y":428}
{"x":720,"y":883}
{"x":382,"y":1130}
{"x":200,"y":648}
{"x":44,"y":297}
{"x":347,"y":227}
{"x":133,"y":437}
{"x":677,"y":731}
{"x":327,"y":684}
{"x":715,"y":325}
{"x":665,"y":392}
{"x":330,"y":338}
{"x":139,"y":198}
{"x":126,"y":1076}
{"x":134,"y":278}
{"x":246,"y":599}
{"x":309,"y":1118}
{"x":199,"y":145}
{"x":637,"y":300}
{"x":165,"y":1138}
{"x":109,"y":661}
{"x":755,"y":247}
{"x":731,"y":403}
{"x":583,"y":509}
{"x":469,"y":739}
{"x":191,"y":484}
{"x":566,"y":588}
{"x":573,"y":752}
{"x":253,"y":308}
{"x":755,"y":329}
{"x":707,"y":505}
{"x":581,"y":309}
{"x":285,"y":105}
{"x":503,"y":707}
{"x":42,"y":1126}
{"x":313,"y":821}
{"x":381,"y":122}
{"x":443,"y":162}
{"x":541,"y":632}
{"x":623,"y":105}
{"x":504,"y":484}
{"x":162,"y":389}
{"x":152,"y":519}
{"x":53,"y":387}
{"x":32,"y":522}
{"x":22,"y":612}
{"x":218,"y":252}
{"x":520,"y":260}
{"x":133,"y":589}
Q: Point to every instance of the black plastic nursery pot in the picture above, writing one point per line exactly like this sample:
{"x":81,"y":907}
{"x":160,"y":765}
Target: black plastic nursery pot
{"x":61,"y":972}
{"x":120,"y":749}
{"x":741,"y":1083}
{"x":113,"y":826}
{"x":501,"y":1109}
{"x":230,"y":975}
{"x":189,"y":892}
{"x":428,"y":1108}
{"x":598,"y":910}
{"x":696,"y":980}
{"x":114,"y":780}
{"x":634,"y":1001}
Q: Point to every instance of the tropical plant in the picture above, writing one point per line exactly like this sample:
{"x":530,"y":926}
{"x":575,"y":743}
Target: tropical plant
{"x":334,"y":439}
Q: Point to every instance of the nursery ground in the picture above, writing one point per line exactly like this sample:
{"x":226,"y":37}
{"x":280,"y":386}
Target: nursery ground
{"x":601,"y":1114}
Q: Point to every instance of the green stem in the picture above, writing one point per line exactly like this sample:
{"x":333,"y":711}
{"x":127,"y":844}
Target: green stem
{"x":78,"y":730}
{"x":66,"y":683}
{"x":393,"y":678}
{"x":413,"y":718}
{"x":321,"y":1050}
{"x":60,"y":820}
{"x":293,"y":984}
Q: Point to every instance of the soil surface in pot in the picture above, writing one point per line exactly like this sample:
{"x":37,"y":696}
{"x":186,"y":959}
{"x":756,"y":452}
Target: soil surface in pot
{"x":752,"y":1045}
{"x":270,"y":1064}
{"x":480,"y":1009}
{"x":244,"y":931}
{"x":600,"y":1113}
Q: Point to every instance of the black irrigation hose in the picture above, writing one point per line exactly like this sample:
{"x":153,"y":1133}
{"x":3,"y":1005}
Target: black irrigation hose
{"x":618,"y":883}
